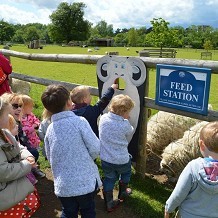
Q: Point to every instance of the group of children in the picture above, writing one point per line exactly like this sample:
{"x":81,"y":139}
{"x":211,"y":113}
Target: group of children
{"x":76,"y":137}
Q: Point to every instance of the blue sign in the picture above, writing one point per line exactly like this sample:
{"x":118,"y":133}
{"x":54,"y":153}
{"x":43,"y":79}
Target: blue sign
{"x":183,"y":88}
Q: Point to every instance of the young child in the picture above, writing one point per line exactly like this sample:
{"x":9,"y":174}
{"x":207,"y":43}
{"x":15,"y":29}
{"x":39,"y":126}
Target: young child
{"x":46,"y":121}
{"x":81,"y":99}
{"x":71,"y":147}
{"x":30,"y":122}
{"x":15,"y":163}
{"x":114,"y":129}
{"x":196,"y":192}
{"x":17,"y":105}
{"x":13,"y":128}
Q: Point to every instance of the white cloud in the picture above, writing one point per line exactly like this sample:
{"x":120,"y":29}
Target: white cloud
{"x":119,"y":13}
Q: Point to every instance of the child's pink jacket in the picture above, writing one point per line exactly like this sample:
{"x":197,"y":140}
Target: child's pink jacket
{"x":30,"y":123}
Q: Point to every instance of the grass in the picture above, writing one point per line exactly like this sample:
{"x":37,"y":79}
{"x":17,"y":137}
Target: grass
{"x":149,"y":197}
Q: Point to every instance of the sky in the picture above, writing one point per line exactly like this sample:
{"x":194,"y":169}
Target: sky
{"x":120,"y":13}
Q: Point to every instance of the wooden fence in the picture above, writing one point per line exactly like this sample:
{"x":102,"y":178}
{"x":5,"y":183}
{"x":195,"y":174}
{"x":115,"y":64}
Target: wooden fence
{"x":148,"y":102}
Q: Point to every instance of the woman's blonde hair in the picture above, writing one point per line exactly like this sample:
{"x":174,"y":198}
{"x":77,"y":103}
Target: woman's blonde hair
{"x":78,"y":94}
{"x":121,"y":104}
{"x":13,"y":97}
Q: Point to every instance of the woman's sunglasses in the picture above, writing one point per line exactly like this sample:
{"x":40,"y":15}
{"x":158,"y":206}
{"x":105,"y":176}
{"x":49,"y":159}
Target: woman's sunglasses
{"x":16,"y":106}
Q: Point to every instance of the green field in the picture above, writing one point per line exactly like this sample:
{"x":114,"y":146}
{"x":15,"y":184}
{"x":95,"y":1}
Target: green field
{"x":149,"y":197}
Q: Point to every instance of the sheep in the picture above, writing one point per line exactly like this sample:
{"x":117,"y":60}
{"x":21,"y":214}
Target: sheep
{"x":19,"y":86}
{"x":177,"y":154}
{"x":127,"y":49}
{"x":164,"y":127}
{"x":89,"y":50}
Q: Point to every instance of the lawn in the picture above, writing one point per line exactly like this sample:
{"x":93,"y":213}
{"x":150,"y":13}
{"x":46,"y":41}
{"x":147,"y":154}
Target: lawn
{"x":149,"y":197}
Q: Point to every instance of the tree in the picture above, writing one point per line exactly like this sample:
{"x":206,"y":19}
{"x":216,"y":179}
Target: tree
{"x":68,"y":23}
{"x":208,"y":45}
{"x":132,"y":37}
{"x":31,"y":33}
{"x":161,"y":35}
{"x":6,"y":31}
{"x":104,"y":29}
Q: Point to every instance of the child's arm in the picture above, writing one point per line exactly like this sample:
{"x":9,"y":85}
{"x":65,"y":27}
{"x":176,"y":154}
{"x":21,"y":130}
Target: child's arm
{"x":105,"y":99}
{"x":181,"y":190}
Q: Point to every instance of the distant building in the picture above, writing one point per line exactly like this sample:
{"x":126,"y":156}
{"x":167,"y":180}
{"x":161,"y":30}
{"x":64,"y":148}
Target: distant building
{"x":103,"y":42}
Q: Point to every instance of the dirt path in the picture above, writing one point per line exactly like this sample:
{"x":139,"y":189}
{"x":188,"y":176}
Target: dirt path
{"x":51,"y":208}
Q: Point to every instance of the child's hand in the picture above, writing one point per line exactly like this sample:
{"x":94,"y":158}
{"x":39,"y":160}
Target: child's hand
{"x":114,"y":86}
{"x":166,"y":215}
{"x":31,"y":160}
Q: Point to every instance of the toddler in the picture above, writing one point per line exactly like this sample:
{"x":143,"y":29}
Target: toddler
{"x":81,"y":99}
{"x":13,"y":128}
{"x":71,"y":147}
{"x":30,"y":122}
{"x":196,"y":192}
{"x":114,"y":128}
{"x":46,"y":120}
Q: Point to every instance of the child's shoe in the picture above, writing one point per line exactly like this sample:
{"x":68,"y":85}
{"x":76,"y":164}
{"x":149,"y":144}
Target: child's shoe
{"x":109,"y":202}
{"x":124,"y":191}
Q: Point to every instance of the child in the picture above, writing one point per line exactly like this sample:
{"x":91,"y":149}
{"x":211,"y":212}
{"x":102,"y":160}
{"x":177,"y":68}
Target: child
{"x":196,"y":192}
{"x":30,"y":122}
{"x":71,"y":147}
{"x":46,"y":121}
{"x":13,"y":128}
{"x":114,"y":129}
{"x":81,"y":99}
{"x":17,"y":105}
{"x":15,"y":163}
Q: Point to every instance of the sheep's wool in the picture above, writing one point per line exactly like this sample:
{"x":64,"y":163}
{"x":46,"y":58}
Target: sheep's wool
{"x":164,"y":128}
{"x":177,"y":154}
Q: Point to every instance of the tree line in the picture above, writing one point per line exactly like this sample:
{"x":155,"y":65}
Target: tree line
{"x":68,"y":25}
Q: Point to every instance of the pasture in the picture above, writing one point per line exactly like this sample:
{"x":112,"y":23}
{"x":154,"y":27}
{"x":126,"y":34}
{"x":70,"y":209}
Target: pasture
{"x":149,"y":196}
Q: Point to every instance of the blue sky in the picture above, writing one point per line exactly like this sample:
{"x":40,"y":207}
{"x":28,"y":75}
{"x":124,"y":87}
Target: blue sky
{"x":119,"y":13}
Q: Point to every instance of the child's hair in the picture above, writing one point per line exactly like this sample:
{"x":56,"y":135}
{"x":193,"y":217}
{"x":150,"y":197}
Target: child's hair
{"x":27,"y":100}
{"x":11,"y":122}
{"x":78,"y":94}
{"x":120,"y":104}
{"x":46,"y":114}
{"x":209,"y":135}
{"x":54,"y":98}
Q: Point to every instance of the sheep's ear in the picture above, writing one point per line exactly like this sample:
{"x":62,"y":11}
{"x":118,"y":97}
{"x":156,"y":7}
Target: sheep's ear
{"x":138,"y":73}
{"x":102,"y":68}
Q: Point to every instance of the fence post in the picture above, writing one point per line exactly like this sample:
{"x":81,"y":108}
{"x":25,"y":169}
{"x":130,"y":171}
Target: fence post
{"x":142,"y":151}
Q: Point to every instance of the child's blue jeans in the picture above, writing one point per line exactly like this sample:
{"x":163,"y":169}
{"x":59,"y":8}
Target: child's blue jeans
{"x":72,"y":205}
{"x":114,"y":172}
